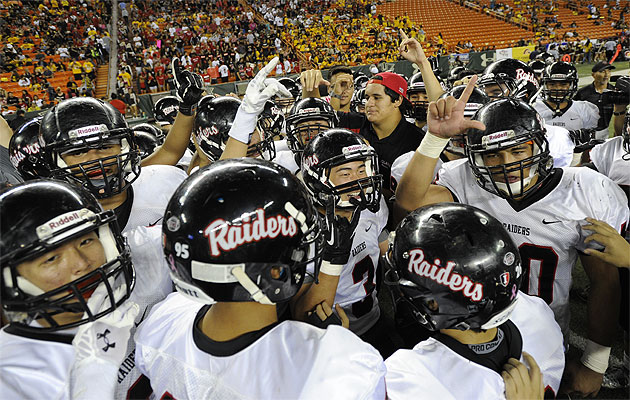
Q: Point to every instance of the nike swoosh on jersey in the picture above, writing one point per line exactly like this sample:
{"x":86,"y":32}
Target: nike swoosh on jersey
{"x":549,"y":222}
{"x":368,"y":228}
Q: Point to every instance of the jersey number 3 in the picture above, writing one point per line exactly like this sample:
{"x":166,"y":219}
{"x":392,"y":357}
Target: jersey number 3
{"x":546,"y":260}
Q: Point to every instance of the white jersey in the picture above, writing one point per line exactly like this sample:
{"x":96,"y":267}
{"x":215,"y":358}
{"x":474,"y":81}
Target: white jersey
{"x":608,"y":158}
{"x":579,"y":115}
{"x":432,"y":370}
{"x":38,"y":367}
{"x":560,"y":146}
{"x":151,"y":193}
{"x":400,"y":165}
{"x":547,"y":231}
{"x":286,"y":159}
{"x":184,"y":162}
{"x":355,"y":290}
{"x":293,"y":360}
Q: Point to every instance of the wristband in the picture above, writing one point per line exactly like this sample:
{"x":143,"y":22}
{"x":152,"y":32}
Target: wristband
{"x":243,"y":126}
{"x":595,"y":357}
{"x":188,"y":110}
{"x":330,"y":269}
{"x":432,"y":146}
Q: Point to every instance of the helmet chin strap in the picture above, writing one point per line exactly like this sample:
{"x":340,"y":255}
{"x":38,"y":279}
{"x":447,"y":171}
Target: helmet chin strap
{"x":500,"y":317}
{"x":249,"y":285}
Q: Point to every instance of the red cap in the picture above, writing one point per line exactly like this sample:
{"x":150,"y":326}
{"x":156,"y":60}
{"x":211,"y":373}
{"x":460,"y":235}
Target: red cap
{"x":391,"y":80}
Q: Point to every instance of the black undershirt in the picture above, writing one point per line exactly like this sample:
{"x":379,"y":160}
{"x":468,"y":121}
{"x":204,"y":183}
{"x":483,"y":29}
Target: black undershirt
{"x":123,"y":211}
{"x":227,"y":348}
{"x":546,"y":187}
{"x":511,"y":346}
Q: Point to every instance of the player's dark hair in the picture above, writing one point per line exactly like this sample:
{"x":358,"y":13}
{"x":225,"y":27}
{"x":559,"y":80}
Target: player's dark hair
{"x":339,"y":69}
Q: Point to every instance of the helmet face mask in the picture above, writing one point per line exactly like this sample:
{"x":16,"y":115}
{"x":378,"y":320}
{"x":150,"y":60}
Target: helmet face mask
{"x":560,"y":83}
{"x":625,"y":133}
{"x":342,"y":148}
{"x":455,"y":266}
{"x":306,"y":120}
{"x":270,"y":124}
{"x":76,"y":218}
{"x":66,"y":141}
{"x":278,"y":233}
{"x":513,"y":128}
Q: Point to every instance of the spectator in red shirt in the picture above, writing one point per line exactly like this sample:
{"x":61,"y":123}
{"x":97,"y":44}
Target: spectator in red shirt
{"x":118,"y":104}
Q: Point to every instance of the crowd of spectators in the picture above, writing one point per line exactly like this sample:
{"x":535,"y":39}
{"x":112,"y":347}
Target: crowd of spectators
{"x":45,"y":43}
{"x":221,"y":40}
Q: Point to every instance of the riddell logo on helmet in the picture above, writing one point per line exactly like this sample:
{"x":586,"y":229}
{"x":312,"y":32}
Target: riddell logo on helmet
{"x":313,"y":110}
{"x":497,"y":137}
{"x":61,"y":222}
{"x":444,"y":275}
{"x":87,"y":130}
{"x":223,"y":236}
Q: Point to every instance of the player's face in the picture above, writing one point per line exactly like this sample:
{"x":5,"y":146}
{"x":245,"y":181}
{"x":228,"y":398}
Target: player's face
{"x":309,"y":129}
{"x":346,"y":173}
{"x":378,"y":106}
{"x":418,"y":96}
{"x":558,"y":85}
{"x":68,"y":262}
{"x":64,"y":264}
{"x":88,"y":155}
{"x":344,"y":86}
{"x":496,"y":90}
{"x":513,"y":154}
{"x":602,"y":76}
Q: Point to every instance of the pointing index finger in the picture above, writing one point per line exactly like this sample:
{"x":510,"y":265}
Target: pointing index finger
{"x":403,"y":34}
{"x":469,"y":89}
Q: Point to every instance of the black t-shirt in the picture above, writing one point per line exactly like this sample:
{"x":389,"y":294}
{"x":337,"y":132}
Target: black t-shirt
{"x":405,"y":138}
{"x":588,"y":93}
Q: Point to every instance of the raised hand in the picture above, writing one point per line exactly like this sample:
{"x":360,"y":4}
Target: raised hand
{"x":189,"y":88}
{"x":261,"y":89}
{"x":411,"y":49}
{"x":445,"y":117}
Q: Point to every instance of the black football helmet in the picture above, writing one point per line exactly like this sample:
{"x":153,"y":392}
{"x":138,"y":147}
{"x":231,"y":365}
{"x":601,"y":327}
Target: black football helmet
{"x":39,"y":216}
{"x":166,"y":109}
{"x":270,"y":124}
{"x":546,"y":57}
{"x":213,"y":122}
{"x":332,"y":148}
{"x":224,"y":244}
{"x":357,"y":104}
{"x":538,"y":66}
{"x":418,"y":107}
{"x":285,"y":103}
{"x":476,"y":100}
{"x":78,"y":125}
{"x":509,"y":123}
{"x":514,"y":78}
{"x":147,"y":143}
{"x":360,"y":81}
{"x":457,"y":74}
{"x":25,"y":153}
{"x":151,"y":129}
{"x":456,"y":267}
{"x":561,"y":72}
{"x":307,"y":118}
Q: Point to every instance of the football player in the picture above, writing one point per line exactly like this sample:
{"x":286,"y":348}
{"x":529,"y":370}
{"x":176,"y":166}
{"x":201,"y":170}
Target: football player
{"x":235,"y":259}
{"x":509,"y":172}
{"x":459,"y":271}
{"x":557,"y":107}
{"x":66,"y":266}
{"x":341,"y":172}
{"x":87,"y":142}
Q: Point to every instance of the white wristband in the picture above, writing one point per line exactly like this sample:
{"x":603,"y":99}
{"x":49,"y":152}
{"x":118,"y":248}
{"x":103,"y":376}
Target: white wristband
{"x":432,"y":146}
{"x":243,"y":125}
{"x":595,"y":357}
{"x":331,"y":269}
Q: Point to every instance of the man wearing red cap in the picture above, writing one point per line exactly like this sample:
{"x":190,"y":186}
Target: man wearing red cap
{"x":383,"y":123}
